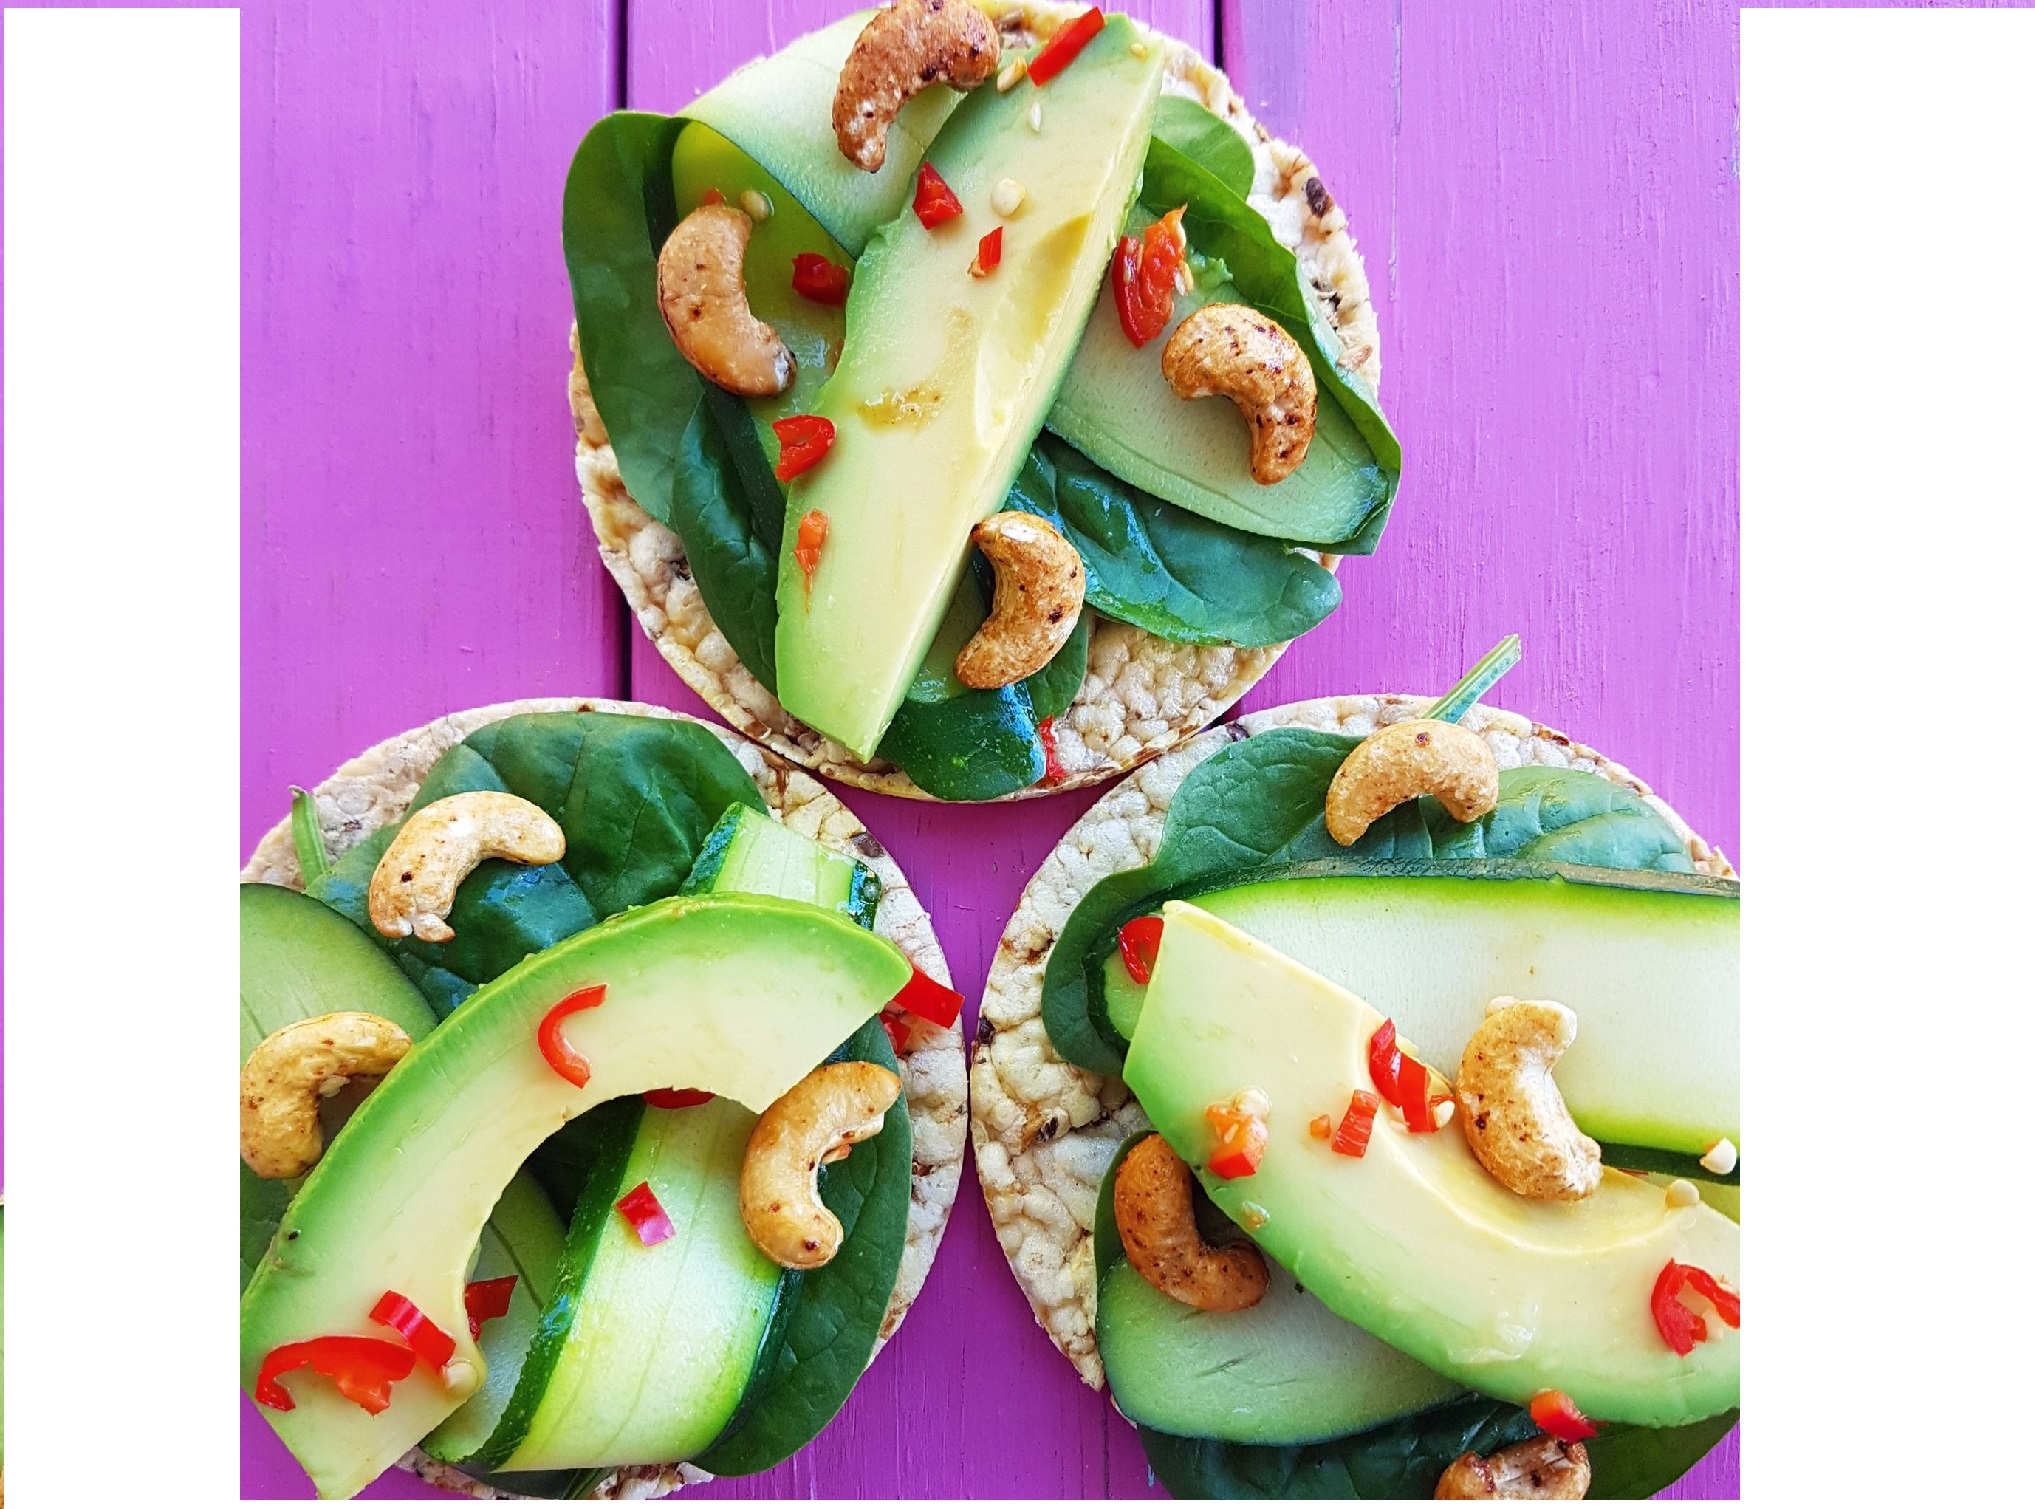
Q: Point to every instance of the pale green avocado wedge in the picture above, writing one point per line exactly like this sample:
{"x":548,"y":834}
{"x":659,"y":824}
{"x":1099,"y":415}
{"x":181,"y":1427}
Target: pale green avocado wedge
{"x":945,"y":378}
{"x":780,"y":111}
{"x":1415,"y":1242}
{"x":740,"y":996}
{"x":1647,"y":960}
{"x":1286,"y":1371}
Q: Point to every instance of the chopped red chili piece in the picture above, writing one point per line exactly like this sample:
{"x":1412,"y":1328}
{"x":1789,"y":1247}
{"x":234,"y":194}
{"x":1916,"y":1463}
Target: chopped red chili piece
{"x":816,"y":279}
{"x":1679,"y":1325}
{"x":1138,"y":941}
{"x":1066,"y":44}
{"x":924,"y":996}
{"x":1414,"y":1102}
{"x":641,"y":1210}
{"x":802,"y":440}
{"x":569,"y":1064}
{"x":1055,"y":771}
{"x":676,"y":1100}
{"x":1321,"y":1128}
{"x":1353,"y":1138}
{"x":898,"y":1031}
{"x":362,"y":1367}
{"x":713,"y":196}
{"x":1239,"y":1142}
{"x":1385,"y":1060}
{"x":988,"y":253}
{"x":1142,"y":276}
{"x":1556,"y":1413}
{"x":487,"y":1299}
{"x":812,"y":539}
{"x":425,"y":1339}
{"x":933,"y":202}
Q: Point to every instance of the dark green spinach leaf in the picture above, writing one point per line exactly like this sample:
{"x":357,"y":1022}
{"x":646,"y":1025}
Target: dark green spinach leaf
{"x":635,"y":797}
{"x":1170,"y":572}
{"x":1197,"y":133}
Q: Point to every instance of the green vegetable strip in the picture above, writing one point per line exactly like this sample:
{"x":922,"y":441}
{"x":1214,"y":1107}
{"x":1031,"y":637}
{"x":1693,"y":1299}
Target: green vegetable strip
{"x":1459,"y":699}
{"x":305,"y":834}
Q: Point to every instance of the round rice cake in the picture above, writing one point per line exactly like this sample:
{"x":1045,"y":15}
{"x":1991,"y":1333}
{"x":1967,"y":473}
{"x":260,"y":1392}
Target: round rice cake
{"x":1045,"y":1131}
{"x":1143,"y":695}
{"x":372,"y":791}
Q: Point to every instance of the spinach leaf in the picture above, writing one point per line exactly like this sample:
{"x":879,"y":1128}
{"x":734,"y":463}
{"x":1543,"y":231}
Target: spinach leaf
{"x":1400,"y":1460}
{"x":1261,"y":802}
{"x":1221,"y":223}
{"x":830,"y":1315}
{"x":687,"y":452}
{"x":1637,"y":1461}
{"x":1170,"y":572}
{"x":1197,"y":133}
{"x":635,"y":797}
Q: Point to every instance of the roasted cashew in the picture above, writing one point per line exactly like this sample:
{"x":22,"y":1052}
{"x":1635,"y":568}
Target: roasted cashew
{"x":418,"y":878}
{"x":1514,"y":1116}
{"x":1237,"y":353}
{"x":816,"y":1121}
{"x":904,"y":48}
{"x":1542,"y":1468}
{"x":1154,"y":1207}
{"x":705,"y":301}
{"x":1039,"y":585}
{"x":1398,"y":763}
{"x":291,"y":1068}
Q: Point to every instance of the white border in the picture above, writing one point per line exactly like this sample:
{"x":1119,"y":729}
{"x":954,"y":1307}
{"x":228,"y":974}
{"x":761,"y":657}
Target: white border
{"x":122,"y":575}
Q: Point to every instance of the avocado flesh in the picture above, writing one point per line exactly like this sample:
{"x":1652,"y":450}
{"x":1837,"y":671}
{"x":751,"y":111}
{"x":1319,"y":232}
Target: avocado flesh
{"x":1648,"y":962}
{"x":1415,"y":1242}
{"x":1117,"y":408}
{"x":1286,"y":1371}
{"x":739,"y":996}
{"x":945,"y":378}
{"x":779,"y":110}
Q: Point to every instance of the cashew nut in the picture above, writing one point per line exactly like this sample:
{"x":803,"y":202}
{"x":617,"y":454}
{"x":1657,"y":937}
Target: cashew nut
{"x":1398,"y":763}
{"x":418,"y":878}
{"x":1542,"y":1468}
{"x":1514,"y":1116}
{"x":1039,"y":585}
{"x":904,"y":48}
{"x":1236,"y":352}
{"x":291,"y":1068}
{"x":1154,"y":1208}
{"x":706,"y":305}
{"x":816,"y":1121}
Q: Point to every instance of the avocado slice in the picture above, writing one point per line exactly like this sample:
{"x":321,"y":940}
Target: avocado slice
{"x":945,"y":378}
{"x":737,"y":995}
{"x":1415,"y":1242}
{"x":1287,"y":1371}
{"x":1647,"y":960}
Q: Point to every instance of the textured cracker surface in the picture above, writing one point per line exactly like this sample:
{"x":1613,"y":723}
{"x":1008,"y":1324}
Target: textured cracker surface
{"x":1142,"y":695}
{"x":1045,"y":1131}
{"x":372,"y":791}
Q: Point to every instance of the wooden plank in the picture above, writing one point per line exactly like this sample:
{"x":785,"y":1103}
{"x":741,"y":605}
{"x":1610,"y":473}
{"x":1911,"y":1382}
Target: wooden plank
{"x":1546,"y":197}
{"x":412,"y":537}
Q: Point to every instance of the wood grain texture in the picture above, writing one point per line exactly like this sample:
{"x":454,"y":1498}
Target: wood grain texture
{"x":1545,"y":199}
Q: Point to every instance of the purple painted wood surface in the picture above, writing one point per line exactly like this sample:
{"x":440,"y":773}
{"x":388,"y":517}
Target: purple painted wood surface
{"x":1545,"y":198}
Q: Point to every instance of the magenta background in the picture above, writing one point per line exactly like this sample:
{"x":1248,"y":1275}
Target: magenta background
{"x":1545,"y":195}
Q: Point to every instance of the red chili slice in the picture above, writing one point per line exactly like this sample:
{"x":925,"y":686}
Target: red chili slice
{"x":1353,"y":1138}
{"x":425,"y":1339}
{"x":802,"y":440}
{"x":1066,"y":44}
{"x":1556,"y":1413}
{"x":569,"y":1064}
{"x":1142,"y":275}
{"x":676,"y":1100}
{"x":988,"y":253}
{"x":816,"y":279}
{"x":1055,"y":771}
{"x":713,"y":196}
{"x":934,"y":203}
{"x":898,"y":1031}
{"x":487,"y":1299}
{"x":1413,"y":1099}
{"x":1679,"y":1325}
{"x":812,"y":539}
{"x":924,"y":996}
{"x":642,"y":1211}
{"x":1385,"y":1060}
{"x":1138,"y":941}
{"x":1239,"y":1142}
{"x":362,"y":1367}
